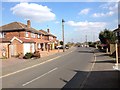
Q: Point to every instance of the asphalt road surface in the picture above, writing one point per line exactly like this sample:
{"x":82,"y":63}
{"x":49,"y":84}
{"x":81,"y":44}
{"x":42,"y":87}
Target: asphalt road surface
{"x":59,"y":72}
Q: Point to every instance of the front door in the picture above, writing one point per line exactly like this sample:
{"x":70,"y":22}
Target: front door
{"x":12,"y":50}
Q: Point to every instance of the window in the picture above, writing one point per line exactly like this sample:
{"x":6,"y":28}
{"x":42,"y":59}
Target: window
{"x":32,"y":35}
{"x":50,"y":38}
{"x":2,"y":34}
{"x":39,"y":46}
{"x":38,"y":35}
{"x":26,"y":34}
{"x":118,"y":34}
{"x":41,"y":36}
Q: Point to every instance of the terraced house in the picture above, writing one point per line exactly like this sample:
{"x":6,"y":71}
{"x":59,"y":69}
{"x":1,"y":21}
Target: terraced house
{"x":17,"y":38}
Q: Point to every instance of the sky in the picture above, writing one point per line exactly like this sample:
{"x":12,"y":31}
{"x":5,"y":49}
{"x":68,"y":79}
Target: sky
{"x":81,"y":18}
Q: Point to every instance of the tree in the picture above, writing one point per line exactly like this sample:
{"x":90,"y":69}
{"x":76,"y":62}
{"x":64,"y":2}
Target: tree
{"x":92,"y":44}
{"x":107,"y":37}
{"x":61,"y":42}
{"x":70,"y":44}
{"x":89,"y":43}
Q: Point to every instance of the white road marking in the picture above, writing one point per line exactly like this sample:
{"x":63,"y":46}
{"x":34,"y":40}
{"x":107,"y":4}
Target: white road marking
{"x":29,"y":67}
{"x":33,"y":66}
{"x":39,"y":77}
{"x":83,"y":83}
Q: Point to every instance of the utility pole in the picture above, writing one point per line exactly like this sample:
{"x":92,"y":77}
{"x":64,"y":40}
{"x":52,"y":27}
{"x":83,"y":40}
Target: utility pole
{"x":86,"y":40}
{"x":63,"y":34}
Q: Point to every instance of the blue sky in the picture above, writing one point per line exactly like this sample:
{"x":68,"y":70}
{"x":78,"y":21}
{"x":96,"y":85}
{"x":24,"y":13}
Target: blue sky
{"x":81,"y":18}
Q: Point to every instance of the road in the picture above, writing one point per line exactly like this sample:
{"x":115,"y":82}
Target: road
{"x":63,"y":71}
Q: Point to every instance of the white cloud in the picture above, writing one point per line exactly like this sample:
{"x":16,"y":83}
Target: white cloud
{"x":87,"y":28}
{"x":115,"y":7}
{"x":84,"y":11}
{"x":112,"y":8}
{"x":103,"y":14}
{"x":86,"y":24}
{"x":33,"y":12}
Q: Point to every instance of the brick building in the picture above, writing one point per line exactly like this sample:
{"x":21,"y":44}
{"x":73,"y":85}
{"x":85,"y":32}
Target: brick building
{"x":17,"y":38}
{"x":52,"y":39}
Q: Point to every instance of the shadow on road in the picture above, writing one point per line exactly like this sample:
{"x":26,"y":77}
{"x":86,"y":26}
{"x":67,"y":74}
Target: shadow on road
{"x":97,"y":79}
{"x":75,"y":81}
{"x":103,"y":55}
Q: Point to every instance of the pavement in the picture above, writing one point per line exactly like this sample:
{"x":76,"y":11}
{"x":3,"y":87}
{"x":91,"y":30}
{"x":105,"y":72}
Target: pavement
{"x":75,"y":68}
{"x":117,"y":67}
{"x":51,"y":52}
{"x":14,"y":61}
{"x":103,"y":74}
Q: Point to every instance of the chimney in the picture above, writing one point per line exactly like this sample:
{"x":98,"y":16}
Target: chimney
{"x":28,"y":24}
{"x":48,"y":30}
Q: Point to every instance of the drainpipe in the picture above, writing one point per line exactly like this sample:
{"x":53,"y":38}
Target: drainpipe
{"x":8,"y":50}
{"x":116,"y":55}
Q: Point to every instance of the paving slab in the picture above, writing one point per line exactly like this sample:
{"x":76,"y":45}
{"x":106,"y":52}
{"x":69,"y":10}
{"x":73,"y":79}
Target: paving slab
{"x":103,"y":75}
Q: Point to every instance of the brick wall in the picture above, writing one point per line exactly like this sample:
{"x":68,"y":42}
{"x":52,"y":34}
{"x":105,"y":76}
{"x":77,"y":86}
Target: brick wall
{"x":46,"y":38}
{"x":19,"y":34}
{"x":22,"y":34}
{"x":54,"y":39}
{"x":16,"y":34}
{"x":18,"y":47}
{"x":4,"y":50}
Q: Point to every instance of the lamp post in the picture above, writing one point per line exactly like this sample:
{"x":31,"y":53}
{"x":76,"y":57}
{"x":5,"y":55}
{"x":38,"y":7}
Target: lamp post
{"x":63,"y":34}
{"x":86,"y":41}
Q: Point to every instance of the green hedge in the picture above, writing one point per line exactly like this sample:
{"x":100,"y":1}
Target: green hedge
{"x":28,"y":55}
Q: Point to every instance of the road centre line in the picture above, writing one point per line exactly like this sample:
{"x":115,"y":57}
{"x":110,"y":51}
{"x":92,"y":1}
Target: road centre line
{"x":39,"y":77}
{"x":33,"y":66}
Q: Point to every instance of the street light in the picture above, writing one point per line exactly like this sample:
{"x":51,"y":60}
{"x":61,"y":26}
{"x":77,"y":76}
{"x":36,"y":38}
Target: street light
{"x":86,"y":40}
{"x":63,"y":34}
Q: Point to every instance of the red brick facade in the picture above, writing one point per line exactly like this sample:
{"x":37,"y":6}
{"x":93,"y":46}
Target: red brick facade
{"x":18,"y":38}
{"x":18,"y":48}
{"x":16,"y":34}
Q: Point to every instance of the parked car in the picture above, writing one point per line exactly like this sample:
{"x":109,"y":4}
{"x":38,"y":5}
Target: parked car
{"x":67,"y":47}
{"x":59,"y":47}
